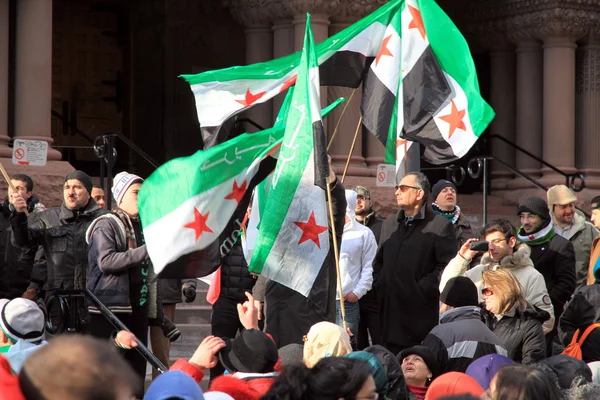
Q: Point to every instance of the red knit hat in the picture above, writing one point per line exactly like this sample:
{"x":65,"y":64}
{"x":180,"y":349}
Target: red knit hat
{"x":451,"y":384}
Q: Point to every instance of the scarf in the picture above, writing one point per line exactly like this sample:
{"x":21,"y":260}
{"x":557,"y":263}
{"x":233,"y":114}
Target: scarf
{"x":147,"y":269}
{"x":451,"y":215}
{"x":542,"y":236}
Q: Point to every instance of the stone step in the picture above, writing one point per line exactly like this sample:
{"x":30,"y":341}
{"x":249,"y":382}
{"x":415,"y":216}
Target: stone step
{"x":193,"y":314}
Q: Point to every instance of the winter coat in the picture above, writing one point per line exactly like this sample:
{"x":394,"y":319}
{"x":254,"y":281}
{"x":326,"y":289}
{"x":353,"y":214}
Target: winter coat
{"x":110,"y":261}
{"x":244,"y":386}
{"x":357,"y":251}
{"x":235,"y":278}
{"x":581,"y":234}
{"x":463,"y":230}
{"x":374,"y":223}
{"x":9,"y":382}
{"x":460,"y":338}
{"x":582,"y":311}
{"x":20,"y":351}
{"x":520,"y":265}
{"x":290,"y":314}
{"x":556,"y":262}
{"x":595,"y":254}
{"x":521,"y":332}
{"x":407,"y":270}
{"x":61,"y":232}
{"x":16,"y":264}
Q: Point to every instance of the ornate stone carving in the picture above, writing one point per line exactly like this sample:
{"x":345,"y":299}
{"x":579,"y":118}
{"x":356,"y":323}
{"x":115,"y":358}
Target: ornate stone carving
{"x":264,"y":12}
{"x":493,"y":9}
{"x":353,"y":10}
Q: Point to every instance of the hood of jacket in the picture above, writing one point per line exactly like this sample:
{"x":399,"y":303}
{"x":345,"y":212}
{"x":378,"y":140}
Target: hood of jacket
{"x":518,"y":259}
{"x":19,"y":352}
{"x":570,"y":371}
{"x":350,"y":208}
{"x":461,"y":313}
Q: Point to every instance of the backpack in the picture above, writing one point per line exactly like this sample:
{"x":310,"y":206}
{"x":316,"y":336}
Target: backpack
{"x":574,"y":348}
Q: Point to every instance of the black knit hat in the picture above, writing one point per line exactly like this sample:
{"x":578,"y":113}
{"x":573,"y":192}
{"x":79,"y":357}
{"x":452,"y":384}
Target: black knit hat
{"x":426,"y":354}
{"x":460,"y":291}
{"x":439,"y":186}
{"x":535,"y":205}
{"x":81,"y":177}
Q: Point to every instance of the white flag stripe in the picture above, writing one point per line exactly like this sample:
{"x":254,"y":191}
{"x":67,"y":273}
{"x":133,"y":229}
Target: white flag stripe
{"x":462,"y":139}
{"x":413,"y":44}
{"x":387,"y":69}
{"x":367,"y":42}
{"x":314,"y":93}
{"x":305,"y":260}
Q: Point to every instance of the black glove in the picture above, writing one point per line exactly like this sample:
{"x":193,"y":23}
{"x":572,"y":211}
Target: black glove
{"x":170,"y":330}
{"x":189,"y":292}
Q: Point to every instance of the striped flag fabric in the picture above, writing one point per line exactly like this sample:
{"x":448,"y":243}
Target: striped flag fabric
{"x":293,"y":241}
{"x":343,"y":60}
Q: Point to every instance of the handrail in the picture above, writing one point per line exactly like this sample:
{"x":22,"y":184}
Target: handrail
{"x":451,"y":171}
{"x":132,"y":145}
{"x":570,"y":179}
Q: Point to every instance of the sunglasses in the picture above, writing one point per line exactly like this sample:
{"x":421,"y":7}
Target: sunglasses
{"x":404,"y":188}
{"x":487,"y":292}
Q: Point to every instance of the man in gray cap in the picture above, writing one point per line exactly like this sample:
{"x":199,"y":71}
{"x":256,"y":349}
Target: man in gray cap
{"x":61,"y":232}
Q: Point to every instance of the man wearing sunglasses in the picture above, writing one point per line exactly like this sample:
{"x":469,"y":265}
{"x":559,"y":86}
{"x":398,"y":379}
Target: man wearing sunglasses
{"x":415,"y":245}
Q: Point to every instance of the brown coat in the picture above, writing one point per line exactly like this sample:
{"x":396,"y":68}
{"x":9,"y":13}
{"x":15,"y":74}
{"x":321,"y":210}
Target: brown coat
{"x":593,"y":258}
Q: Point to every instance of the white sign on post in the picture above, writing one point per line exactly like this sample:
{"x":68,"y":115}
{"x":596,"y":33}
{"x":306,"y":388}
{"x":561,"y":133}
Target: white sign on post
{"x":30,"y":152}
{"x":386,"y":175}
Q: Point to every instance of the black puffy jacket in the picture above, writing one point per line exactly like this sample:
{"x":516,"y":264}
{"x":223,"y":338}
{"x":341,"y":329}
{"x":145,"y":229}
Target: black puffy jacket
{"x":61,"y":232}
{"x":16,"y":264}
{"x":521,"y":332}
{"x":235,"y":278}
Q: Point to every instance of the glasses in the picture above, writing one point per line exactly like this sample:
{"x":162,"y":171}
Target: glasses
{"x":487,"y":292}
{"x":496,"y":242}
{"x":404,"y":188}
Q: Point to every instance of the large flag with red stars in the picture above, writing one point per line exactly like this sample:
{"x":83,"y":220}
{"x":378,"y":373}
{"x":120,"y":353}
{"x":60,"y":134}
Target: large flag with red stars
{"x":423,"y":87}
{"x":293,"y":239}
{"x":343,"y":60}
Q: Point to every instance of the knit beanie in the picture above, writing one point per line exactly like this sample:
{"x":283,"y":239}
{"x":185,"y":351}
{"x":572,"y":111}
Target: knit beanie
{"x":439,"y":186}
{"x":121,"y":183}
{"x":460,"y":291}
{"x":535,"y":205}
{"x":82,"y":177}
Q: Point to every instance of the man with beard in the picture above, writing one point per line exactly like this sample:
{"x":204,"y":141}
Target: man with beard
{"x":369,"y":325}
{"x":552,"y":254}
{"x":444,"y":203}
{"x":61,"y":232}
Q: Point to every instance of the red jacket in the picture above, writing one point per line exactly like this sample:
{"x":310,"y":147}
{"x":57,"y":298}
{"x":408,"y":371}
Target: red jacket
{"x":9,"y":382}
{"x":242,"y":389}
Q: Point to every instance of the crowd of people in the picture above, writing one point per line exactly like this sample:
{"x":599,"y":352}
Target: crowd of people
{"x":427,"y":307}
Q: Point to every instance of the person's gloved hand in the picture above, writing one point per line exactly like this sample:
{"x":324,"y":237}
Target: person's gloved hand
{"x":31,"y":294}
{"x":189,"y":292}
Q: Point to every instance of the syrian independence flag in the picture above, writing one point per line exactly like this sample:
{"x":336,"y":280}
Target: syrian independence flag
{"x":343,"y":58}
{"x":187,"y":206}
{"x":293,"y":239}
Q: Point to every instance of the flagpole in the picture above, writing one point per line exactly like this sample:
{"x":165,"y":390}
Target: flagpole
{"x":352,"y":148}
{"x":337,"y":125}
{"x":405,"y":158}
{"x":336,"y":255}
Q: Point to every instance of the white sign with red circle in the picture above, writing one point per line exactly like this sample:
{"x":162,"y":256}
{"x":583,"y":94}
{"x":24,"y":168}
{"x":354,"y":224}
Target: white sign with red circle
{"x":386,"y":175}
{"x":30,"y":152}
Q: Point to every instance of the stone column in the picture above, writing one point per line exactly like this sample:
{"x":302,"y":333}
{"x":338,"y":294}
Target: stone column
{"x":340,"y":146}
{"x":259,"y":48}
{"x":559,"y":107}
{"x":283,"y":44}
{"x":33,"y":89}
{"x":502,"y":99}
{"x":4,"y":139}
{"x":528,"y":108}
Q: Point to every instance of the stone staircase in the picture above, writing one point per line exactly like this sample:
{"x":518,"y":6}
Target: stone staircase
{"x":193,"y":320}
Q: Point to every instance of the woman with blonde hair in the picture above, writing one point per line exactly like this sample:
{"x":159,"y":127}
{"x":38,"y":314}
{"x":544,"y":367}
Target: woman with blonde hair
{"x":511,"y":318}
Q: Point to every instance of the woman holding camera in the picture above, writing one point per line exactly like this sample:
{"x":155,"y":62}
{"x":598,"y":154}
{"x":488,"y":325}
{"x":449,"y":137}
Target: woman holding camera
{"x":511,"y":318}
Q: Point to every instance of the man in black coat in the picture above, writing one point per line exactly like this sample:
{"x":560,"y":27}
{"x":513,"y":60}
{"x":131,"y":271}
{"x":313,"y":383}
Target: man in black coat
{"x":370,"y":324}
{"x":415,"y":246}
{"x":552,"y":255}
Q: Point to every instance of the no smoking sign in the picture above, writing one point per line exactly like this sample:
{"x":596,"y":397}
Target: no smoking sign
{"x":30,"y":152}
{"x":386,"y":175}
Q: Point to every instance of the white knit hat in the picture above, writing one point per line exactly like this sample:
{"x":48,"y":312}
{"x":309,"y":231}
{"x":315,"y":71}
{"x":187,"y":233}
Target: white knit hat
{"x":121,"y":183}
{"x":21,"y":319}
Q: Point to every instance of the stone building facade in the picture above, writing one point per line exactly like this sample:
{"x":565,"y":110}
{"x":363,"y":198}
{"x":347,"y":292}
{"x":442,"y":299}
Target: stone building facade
{"x":112,"y":66}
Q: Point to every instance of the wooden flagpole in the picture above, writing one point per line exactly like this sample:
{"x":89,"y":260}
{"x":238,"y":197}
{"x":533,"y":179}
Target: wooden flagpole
{"x":405,"y":158}
{"x":337,"y":125}
{"x":9,"y":182}
{"x":336,"y":255}
{"x":351,"y":148}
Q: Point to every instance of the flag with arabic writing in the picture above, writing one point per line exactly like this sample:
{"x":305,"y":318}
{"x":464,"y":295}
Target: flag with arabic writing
{"x":293,"y":240}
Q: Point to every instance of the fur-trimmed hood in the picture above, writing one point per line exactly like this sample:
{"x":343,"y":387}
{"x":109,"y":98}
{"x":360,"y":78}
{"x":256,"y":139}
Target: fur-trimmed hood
{"x":519,"y":259}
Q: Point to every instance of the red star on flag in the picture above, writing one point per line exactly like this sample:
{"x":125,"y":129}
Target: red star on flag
{"x":400,"y":142}
{"x":383,"y":50}
{"x":455,"y":119}
{"x":237,"y":192}
{"x":250,"y":98}
{"x":310,"y":230}
{"x":199,"y":223}
{"x":417,"y":21}
{"x":531,"y":237}
{"x":288,"y":83}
